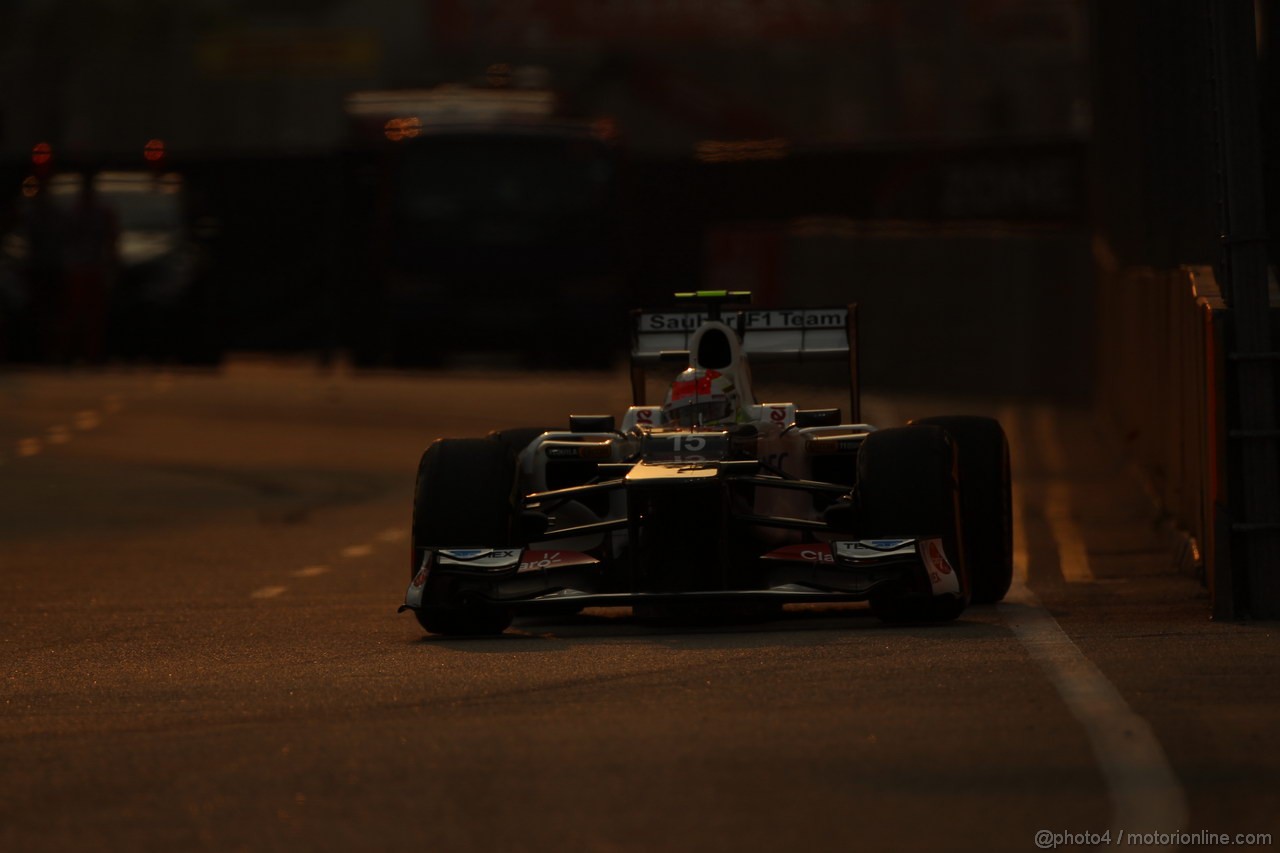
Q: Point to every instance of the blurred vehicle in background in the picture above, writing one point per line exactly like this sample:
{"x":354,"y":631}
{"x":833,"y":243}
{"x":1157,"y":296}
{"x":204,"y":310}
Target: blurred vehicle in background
{"x":481,"y":220}
{"x":162,"y":306}
{"x":105,"y":270}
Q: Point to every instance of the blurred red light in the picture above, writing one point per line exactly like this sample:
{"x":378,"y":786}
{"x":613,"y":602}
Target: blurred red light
{"x":153,"y":150}
{"x":41,"y":153}
{"x":605,"y":129}
{"x":399,"y":129}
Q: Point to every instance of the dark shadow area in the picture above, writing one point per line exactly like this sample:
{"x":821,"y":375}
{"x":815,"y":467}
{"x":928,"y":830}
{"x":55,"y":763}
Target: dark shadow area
{"x":620,"y":627}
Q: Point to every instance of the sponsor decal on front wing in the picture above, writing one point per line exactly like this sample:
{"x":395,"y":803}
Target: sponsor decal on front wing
{"x":528,"y":560}
{"x":870,"y":549}
{"x":861,"y":549}
{"x":413,"y":595}
{"x":480,"y":558}
{"x":809,"y":552}
{"x":534,"y":561}
{"x":942,"y":577}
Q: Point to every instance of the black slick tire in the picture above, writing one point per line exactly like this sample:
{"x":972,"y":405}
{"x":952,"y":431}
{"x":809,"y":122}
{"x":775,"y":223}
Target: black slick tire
{"x":907,"y":487}
{"x":986,"y":502}
{"x":464,"y":497}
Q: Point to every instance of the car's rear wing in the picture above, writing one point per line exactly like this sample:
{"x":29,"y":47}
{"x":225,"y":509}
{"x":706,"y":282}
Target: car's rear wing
{"x":768,"y":335}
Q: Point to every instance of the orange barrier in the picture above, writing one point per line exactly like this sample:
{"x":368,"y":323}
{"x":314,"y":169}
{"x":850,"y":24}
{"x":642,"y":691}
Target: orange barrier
{"x":1161,"y":362}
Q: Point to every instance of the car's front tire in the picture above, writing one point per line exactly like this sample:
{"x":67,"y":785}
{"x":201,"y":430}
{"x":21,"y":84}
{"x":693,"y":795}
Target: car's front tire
{"x":464,"y":497}
{"x":986,"y":502}
{"x":907,"y":487}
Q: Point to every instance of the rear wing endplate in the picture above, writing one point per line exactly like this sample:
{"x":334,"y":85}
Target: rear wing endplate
{"x":768,"y":335}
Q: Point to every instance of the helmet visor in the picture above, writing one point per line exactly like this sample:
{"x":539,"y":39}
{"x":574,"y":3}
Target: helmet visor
{"x":703,"y":411}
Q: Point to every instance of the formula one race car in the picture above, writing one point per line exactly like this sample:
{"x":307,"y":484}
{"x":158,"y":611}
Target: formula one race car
{"x":712,"y":498}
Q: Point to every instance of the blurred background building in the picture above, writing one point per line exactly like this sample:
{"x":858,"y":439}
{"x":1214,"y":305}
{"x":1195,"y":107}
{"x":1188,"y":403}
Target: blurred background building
{"x":234,"y":77}
{"x":930,"y":160}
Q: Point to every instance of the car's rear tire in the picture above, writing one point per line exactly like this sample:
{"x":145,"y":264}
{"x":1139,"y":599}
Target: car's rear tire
{"x":986,"y":502}
{"x":907,"y":487}
{"x":464,"y":497}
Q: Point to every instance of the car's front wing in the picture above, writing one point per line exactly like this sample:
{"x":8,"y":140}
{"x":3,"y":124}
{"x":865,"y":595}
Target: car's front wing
{"x":526,"y":580}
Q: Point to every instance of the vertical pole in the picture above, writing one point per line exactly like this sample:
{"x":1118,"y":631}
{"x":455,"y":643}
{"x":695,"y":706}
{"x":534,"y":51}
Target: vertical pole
{"x":638,"y":378}
{"x":855,"y":380}
{"x":1256,"y":521}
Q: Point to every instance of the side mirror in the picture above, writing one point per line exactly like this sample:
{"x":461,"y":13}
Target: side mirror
{"x":592,"y":423}
{"x":817,"y":417}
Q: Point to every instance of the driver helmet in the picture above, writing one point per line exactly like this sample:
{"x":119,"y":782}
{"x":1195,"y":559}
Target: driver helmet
{"x":699,"y":397}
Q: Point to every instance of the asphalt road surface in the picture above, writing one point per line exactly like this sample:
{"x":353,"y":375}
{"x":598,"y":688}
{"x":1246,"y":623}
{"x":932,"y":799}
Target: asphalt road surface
{"x":201,"y":652}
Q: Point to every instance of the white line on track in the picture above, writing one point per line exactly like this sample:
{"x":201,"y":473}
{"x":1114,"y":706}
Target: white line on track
{"x":310,"y":572}
{"x":1144,"y":791}
{"x":83,"y":420}
{"x":350,"y":552}
{"x":1073,"y":559}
